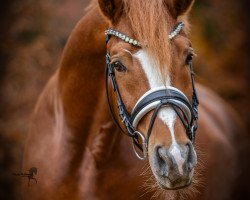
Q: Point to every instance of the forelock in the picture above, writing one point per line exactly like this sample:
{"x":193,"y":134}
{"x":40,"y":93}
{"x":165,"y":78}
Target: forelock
{"x":151,"y":24}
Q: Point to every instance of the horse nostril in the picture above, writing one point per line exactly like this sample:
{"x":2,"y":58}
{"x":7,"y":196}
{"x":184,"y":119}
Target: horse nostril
{"x":164,"y":156}
{"x":191,"y":157}
{"x":160,"y":162}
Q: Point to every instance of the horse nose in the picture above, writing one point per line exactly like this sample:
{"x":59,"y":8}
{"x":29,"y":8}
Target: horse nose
{"x":176,"y":162}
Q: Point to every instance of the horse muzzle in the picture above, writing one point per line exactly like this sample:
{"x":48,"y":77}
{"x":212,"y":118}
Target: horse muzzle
{"x":173,"y":167}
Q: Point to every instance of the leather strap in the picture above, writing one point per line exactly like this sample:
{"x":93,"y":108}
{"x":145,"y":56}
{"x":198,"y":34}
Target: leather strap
{"x":170,"y":95}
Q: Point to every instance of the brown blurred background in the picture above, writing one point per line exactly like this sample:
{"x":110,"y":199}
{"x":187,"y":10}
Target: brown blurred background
{"x":34,"y":32}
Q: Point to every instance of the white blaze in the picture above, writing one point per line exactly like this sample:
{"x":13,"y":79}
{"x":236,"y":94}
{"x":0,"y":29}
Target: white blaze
{"x":176,"y":153}
{"x":167,"y":114}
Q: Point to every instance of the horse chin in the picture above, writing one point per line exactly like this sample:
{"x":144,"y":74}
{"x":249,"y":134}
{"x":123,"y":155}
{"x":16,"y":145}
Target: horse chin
{"x":165,"y":184}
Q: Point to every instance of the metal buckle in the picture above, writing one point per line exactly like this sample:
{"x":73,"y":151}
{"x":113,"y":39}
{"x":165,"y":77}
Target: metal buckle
{"x":144,"y":146}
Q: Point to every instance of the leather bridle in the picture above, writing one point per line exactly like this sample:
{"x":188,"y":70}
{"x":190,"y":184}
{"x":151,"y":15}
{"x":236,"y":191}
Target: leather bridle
{"x":152,"y":100}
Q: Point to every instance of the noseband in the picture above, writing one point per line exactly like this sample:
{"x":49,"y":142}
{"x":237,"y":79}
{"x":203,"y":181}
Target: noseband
{"x":152,"y":100}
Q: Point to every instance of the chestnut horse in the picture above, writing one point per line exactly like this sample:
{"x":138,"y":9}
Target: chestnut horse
{"x":73,"y":140}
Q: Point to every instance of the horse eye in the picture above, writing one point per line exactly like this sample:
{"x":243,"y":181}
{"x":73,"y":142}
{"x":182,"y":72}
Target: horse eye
{"x":189,"y":58}
{"x":119,"y":67}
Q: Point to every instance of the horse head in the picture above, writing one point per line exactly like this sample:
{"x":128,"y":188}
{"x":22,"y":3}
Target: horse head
{"x":151,"y":89}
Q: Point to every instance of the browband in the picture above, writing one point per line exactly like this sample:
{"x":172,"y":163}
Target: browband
{"x":127,"y":39}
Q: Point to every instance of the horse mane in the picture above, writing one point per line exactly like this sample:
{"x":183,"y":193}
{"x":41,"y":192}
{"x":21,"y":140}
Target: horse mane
{"x":151,"y":23}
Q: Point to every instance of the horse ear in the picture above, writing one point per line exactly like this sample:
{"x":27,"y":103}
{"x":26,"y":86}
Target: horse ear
{"x":110,"y":8}
{"x":181,"y":7}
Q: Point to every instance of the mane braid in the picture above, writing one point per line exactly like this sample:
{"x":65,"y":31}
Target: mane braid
{"x":151,"y":25}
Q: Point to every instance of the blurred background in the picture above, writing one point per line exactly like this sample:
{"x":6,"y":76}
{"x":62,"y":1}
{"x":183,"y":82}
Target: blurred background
{"x":34,"y":32}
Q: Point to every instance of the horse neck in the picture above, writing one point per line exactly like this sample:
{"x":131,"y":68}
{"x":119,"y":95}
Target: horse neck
{"x":82,"y":84}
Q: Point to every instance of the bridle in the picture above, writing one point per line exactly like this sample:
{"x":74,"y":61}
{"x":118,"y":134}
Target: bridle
{"x":153,"y":99}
